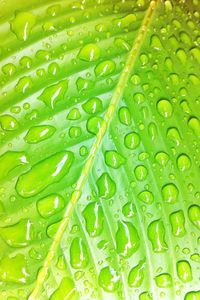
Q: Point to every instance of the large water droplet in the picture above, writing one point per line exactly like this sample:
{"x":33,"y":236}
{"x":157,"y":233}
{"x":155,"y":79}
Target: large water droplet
{"x":163,"y":280}
{"x":177,"y":221}
{"x":23,"y":24}
{"x":113,"y":159}
{"x":127,"y":239}
{"x":184,"y":270}
{"x":66,"y":290}
{"x":78,"y":254}
{"x":93,"y":105}
{"x":94,"y":124}
{"x":89,"y":52}
{"x":106,"y":186}
{"x":164,"y":108}
{"x":136,"y":275}
{"x":8,"y":122}
{"x":11,"y":160}
{"x":146,"y":197}
{"x":156,"y":235}
{"x":109,"y":279}
{"x":14,"y":269}
{"x":19,"y":234}
{"x":132,"y":140}
{"x":170,"y":193}
{"x":105,"y":68}
{"x":39,"y":133}
{"x":44,"y":173}
{"x":54,"y":93}
{"x":183,"y":162}
{"x":93,"y":215}
{"x":124,"y":116}
{"x":50,"y":205}
{"x":194,"y":215}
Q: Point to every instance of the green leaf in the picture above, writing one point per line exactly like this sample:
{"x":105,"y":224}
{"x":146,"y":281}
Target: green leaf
{"x":99,"y":150}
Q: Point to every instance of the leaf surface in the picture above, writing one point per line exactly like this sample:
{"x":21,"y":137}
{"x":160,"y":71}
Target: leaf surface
{"x":99,"y":150}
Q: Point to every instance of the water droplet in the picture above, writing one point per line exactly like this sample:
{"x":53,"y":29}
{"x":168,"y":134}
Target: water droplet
{"x":50,"y":205}
{"x":183,"y":162}
{"x":162,"y":158}
{"x":174,"y":135}
{"x":124,"y":116}
{"x":126,"y":21}
{"x":11,"y":160}
{"x":37,"y":134}
{"x":44,"y":173}
{"x":53,"y":228}
{"x":145,"y":296}
{"x":14,"y":269}
{"x":195,"y":53}
{"x":184,"y":270}
{"x":78,"y":254}
{"x":194,"y":124}
{"x":53,"y":68}
{"x":74,"y":132}
{"x":194,"y":215}
{"x":164,"y":108}
{"x":22,"y":24}
{"x":185,"y":107}
{"x":84,"y":84}
{"x":9,"y":69}
{"x":156,"y":235}
{"x":109,"y":279}
{"x":146,"y":197}
{"x":66,"y":290}
{"x":155,"y":42}
{"x":136,"y":275}
{"x":113,"y":159}
{"x":152,"y":129}
{"x":141,"y":173}
{"x":26,"y":62}
{"x":129,"y":210}
{"x":127,"y":239}
{"x":54,"y":93}
{"x":90,"y":52}
{"x":19,"y":234}
{"x":93,"y":105}
{"x":185,"y":38}
{"x":177,"y":221}
{"x":106,"y":186}
{"x":122,"y":44}
{"x":132,"y":140}
{"x":105,"y":68}
{"x":139,"y":98}
{"x":135,"y":79}
{"x":94,"y":124}
{"x":181,"y":54}
{"x":164,"y":280}
{"x":194,"y":295}
{"x":93,"y":215}
{"x":8,"y":122}
{"x":170,"y":193}
{"x":24,"y":84}
{"x":43,"y":55}
{"x":53,"y":10}
{"x":74,"y":114}
{"x":195,"y":257}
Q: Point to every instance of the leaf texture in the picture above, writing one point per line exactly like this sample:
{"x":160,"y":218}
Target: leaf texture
{"x":99,"y":141}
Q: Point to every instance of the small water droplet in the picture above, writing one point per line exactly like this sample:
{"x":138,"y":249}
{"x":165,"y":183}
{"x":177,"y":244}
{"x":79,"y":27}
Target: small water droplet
{"x":113,"y":159}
